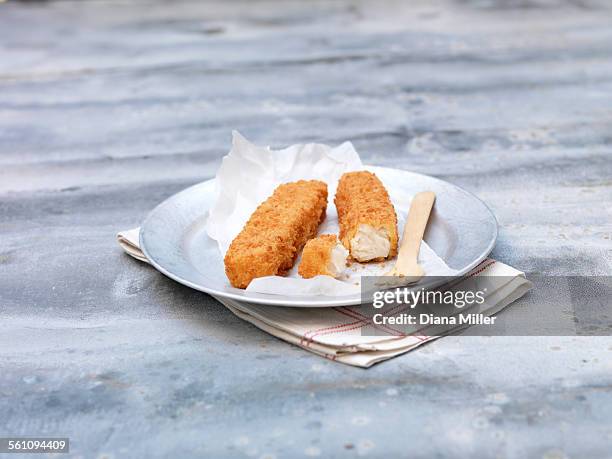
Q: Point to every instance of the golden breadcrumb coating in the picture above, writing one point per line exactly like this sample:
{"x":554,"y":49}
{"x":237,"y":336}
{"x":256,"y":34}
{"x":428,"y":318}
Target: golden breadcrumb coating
{"x":317,"y":256}
{"x":276,"y":232}
{"x":361,"y":199}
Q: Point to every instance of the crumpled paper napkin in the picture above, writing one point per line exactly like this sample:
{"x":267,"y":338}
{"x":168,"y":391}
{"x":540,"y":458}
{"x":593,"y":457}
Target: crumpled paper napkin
{"x":249,"y":174}
{"x":335,"y":333}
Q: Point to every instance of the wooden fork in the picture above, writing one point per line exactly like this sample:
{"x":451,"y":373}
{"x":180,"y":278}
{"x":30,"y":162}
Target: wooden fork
{"x":407,"y":265}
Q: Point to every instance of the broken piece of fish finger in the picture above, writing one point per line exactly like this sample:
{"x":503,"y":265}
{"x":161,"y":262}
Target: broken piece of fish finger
{"x":276,"y":232}
{"x":368,"y":224}
{"x":323,"y":255}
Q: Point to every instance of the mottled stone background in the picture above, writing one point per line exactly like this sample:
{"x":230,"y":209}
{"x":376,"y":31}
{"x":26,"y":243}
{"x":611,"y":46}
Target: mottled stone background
{"x":107,"y":107}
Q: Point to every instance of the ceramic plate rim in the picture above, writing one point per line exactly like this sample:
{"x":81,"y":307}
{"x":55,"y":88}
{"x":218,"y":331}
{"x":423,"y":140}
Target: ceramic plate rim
{"x":294,"y":301}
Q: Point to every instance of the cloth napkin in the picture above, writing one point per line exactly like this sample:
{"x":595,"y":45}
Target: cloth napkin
{"x":336,"y":333}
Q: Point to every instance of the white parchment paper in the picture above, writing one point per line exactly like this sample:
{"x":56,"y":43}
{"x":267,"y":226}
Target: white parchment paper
{"x":249,"y":174}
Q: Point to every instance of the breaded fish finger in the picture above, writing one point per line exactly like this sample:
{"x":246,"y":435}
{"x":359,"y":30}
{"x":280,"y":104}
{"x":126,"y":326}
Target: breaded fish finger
{"x":368,"y":224}
{"x":275,"y":233}
{"x":323,"y":255}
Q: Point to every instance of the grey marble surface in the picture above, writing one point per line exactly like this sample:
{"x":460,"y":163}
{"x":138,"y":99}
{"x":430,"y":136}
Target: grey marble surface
{"x":108,"y":107}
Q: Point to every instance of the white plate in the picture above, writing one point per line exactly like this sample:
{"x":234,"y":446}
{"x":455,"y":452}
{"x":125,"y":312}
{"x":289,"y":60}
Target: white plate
{"x":462,"y":231}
